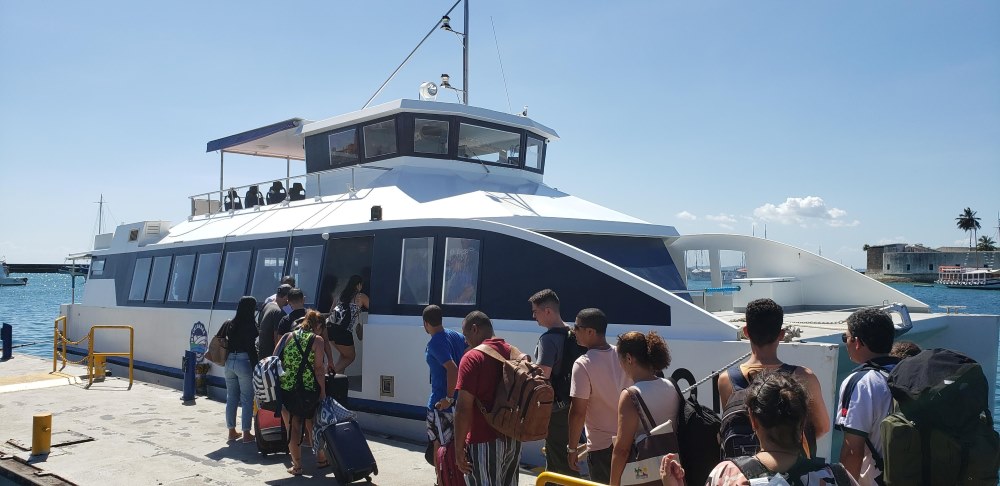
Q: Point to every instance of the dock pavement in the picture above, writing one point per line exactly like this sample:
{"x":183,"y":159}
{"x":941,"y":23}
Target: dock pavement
{"x":110,"y":435}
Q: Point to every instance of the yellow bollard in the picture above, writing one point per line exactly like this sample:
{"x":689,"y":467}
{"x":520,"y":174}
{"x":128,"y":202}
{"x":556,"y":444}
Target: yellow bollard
{"x":41,"y":433}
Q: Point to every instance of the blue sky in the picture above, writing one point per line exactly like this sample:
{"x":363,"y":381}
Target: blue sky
{"x":836,"y":124}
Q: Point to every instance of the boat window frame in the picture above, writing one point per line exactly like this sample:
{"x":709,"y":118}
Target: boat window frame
{"x":256,"y":265}
{"x":220,"y":284}
{"x":476,"y":279}
{"x":357,"y":144}
{"x":541,"y":153}
{"x":145,"y":285}
{"x":215,"y":282}
{"x":166,"y":279}
{"x":97,"y":267}
{"x":364,"y":158}
{"x":430,"y":270}
{"x":520,"y":132}
{"x":452,"y":146}
{"x":312,"y":293}
{"x":190,"y":278}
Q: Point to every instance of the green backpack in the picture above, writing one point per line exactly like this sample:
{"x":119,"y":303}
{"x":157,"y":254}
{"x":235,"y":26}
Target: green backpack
{"x":941,"y":431}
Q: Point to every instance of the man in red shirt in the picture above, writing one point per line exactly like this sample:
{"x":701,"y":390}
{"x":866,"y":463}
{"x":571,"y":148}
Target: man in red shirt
{"x":486,"y":457}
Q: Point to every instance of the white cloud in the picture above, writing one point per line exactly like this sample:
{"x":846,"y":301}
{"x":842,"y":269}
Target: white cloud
{"x":726,"y":226}
{"x":686,"y":216}
{"x":721,"y":218}
{"x":803,"y":210}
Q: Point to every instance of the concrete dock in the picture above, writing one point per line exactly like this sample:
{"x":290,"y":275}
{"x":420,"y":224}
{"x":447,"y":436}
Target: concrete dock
{"x":109,"y":435}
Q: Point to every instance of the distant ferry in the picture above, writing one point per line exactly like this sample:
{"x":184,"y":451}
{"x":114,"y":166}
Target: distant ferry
{"x":447,"y":204}
{"x":6,"y":279}
{"x":959,"y":277}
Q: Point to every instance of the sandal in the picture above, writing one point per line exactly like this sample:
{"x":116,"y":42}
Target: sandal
{"x":322,"y":464}
{"x":295,"y":470}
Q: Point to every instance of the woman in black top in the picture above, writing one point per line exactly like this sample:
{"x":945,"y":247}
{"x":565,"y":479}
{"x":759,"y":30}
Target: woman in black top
{"x":241,"y":333}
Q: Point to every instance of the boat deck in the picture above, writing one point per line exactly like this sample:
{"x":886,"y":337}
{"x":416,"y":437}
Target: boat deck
{"x":111,"y":435}
{"x":826,"y":326}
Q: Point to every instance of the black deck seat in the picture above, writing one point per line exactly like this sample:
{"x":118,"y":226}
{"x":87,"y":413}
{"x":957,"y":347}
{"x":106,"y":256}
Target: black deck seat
{"x":233,"y":201}
{"x":276,"y":193}
{"x":297,"y":192}
{"x":254,"y":197}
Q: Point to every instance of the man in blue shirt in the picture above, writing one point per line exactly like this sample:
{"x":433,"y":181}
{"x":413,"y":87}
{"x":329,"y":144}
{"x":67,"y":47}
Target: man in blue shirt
{"x":444,"y":352}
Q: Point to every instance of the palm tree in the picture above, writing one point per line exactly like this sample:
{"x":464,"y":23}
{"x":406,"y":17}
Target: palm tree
{"x":986,"y":244}
{"x":967,"y":221}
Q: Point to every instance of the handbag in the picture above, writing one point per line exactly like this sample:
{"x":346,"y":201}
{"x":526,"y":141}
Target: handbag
{"x":218,"y":348}
{"x":643,"y":467}
{"x":299,"y":401}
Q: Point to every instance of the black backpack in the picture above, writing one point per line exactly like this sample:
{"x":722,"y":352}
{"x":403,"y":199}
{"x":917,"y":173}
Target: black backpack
{"x":752,"y":468}
{"x":697,"y":433}
{"x":737,"y":436}
{"x":942,"y":429}
{"x":562,"y":378}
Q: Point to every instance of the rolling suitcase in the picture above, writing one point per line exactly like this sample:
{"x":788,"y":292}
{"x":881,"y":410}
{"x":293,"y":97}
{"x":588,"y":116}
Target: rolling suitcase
{"x":271,"y":436}
{"x":336,"y":387}
{"x":349,"y":453}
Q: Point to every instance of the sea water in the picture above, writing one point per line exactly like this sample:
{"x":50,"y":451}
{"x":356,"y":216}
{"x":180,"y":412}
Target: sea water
{"x":31,"y":309}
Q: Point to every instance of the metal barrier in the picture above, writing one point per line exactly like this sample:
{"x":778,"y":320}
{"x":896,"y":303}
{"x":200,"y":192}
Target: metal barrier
{"x":551,"y":477}
{"x":95,"y":361}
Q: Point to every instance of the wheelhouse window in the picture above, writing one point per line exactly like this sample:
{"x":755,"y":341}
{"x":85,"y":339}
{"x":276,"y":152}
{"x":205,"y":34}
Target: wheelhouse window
{"x":140,"y":277}
{"x":343,"y":148}
{"x":533,"y":154}
{"x":180,"y":278}
{"x":235,"y":269}
{"x":97,"y":268}
{"x":430,"y":136}
{"x":158,"y":279}
{"x":306,"y":262}
{"x":415,"y":271}
{"x":488,"y":145}
{"x":461,"y":271}
{"x":380,"y":138}
{"x":267,"y":273}
{"x":206,"y":277}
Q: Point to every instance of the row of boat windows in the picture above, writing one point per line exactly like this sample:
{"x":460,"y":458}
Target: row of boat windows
{"x":195,"y":278}
{"x":430,"y":136}
{"x":930,"y":266}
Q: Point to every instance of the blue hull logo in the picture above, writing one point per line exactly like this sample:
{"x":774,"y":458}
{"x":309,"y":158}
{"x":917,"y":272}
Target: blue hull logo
{"x":199,"y":340}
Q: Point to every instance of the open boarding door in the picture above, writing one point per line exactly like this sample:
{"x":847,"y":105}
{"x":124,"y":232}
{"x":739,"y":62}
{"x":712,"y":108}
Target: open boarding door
{"x":346,"y":257}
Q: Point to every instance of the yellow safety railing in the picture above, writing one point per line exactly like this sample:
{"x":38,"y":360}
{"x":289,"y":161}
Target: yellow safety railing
{"x":95,"y":361}
{"x":551,"y":477}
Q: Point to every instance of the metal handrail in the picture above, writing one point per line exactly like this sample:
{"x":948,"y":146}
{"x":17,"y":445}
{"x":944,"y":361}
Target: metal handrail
{"x":59,"y":337}
{"x":562,"y":479}
{"x":93,"y":358}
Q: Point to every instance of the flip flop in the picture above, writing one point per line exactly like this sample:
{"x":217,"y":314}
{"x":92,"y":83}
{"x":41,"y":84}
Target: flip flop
{"x":294,"y":471}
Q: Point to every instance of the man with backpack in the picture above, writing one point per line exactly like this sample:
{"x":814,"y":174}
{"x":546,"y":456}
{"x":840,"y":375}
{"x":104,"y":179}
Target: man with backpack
{"x":865,"y":398}
{"x":484,"y":455}
{"x":555,"y":353}
{"x":443,"y":353}
{"x":765,"y":318}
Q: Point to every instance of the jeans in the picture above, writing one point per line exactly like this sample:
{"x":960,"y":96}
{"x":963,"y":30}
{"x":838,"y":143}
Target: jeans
{"x":239,"y":389}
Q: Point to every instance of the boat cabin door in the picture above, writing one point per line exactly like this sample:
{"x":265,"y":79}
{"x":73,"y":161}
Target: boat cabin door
{"x":346,"y":257}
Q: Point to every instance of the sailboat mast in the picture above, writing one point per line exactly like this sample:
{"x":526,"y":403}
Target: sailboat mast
{"x":465,"y":56}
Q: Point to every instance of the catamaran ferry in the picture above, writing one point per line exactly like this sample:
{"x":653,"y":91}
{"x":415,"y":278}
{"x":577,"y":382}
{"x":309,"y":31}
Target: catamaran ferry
{"x":447,"y":204}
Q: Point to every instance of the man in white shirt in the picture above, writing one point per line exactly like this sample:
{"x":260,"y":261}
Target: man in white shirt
{"x":596,"y":383}
{"x":864,"y":395}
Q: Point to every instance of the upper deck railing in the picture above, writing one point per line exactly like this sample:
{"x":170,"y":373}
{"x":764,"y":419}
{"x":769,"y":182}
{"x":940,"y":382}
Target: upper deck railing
{"x":279,"y":191}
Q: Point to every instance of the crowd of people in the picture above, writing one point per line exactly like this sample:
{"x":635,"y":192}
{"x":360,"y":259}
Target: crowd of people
{"x":606,"y":395}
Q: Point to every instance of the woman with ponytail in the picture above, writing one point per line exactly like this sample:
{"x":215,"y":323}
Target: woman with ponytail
{"x":642,"y":356}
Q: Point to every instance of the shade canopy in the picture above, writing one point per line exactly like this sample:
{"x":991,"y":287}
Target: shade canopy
{"x":282,"y":140}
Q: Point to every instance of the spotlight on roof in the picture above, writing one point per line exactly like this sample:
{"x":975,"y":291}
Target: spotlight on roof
{"x":428,"y":91}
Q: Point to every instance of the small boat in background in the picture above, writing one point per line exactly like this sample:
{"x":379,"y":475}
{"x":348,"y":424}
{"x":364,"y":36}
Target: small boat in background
{"x":6,"y":279}
{"x":960,"y":277}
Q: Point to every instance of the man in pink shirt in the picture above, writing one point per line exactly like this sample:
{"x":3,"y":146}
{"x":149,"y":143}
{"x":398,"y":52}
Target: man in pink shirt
{"x":596,"y":383}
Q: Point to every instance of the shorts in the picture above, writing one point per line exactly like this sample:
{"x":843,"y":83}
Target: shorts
{"x":340,"y":336}
{"x":440,"y":425}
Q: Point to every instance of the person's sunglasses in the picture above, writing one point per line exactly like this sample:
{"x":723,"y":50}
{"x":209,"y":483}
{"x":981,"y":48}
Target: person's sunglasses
{"x":843,"y":337}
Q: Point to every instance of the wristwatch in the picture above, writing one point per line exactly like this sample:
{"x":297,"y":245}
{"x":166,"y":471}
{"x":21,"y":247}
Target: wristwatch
{"x":571,"y":449}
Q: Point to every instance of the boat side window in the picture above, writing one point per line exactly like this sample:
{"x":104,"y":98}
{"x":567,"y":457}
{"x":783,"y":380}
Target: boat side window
{"x":488,"y":145}
{"x":461,"y":271}
{"x":158,"y":279}
{"x":533,"y":153}
{"x":343,"y":148}
{"x":380,"y":138}
{"x":267,"y":273}
{"x":430,"y":136}
{"x":415,"y":271}
{"x":206,"y":277}
{"x":235,"y":270}
{"x":97,"y":268}
{"x":140,"y":277}
{"x":306,"y":264}
{"x":180,"y":278}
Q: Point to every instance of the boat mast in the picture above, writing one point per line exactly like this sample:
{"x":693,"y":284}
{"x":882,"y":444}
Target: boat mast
{"x":465,"y":56}
{"x":100,"y":215}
